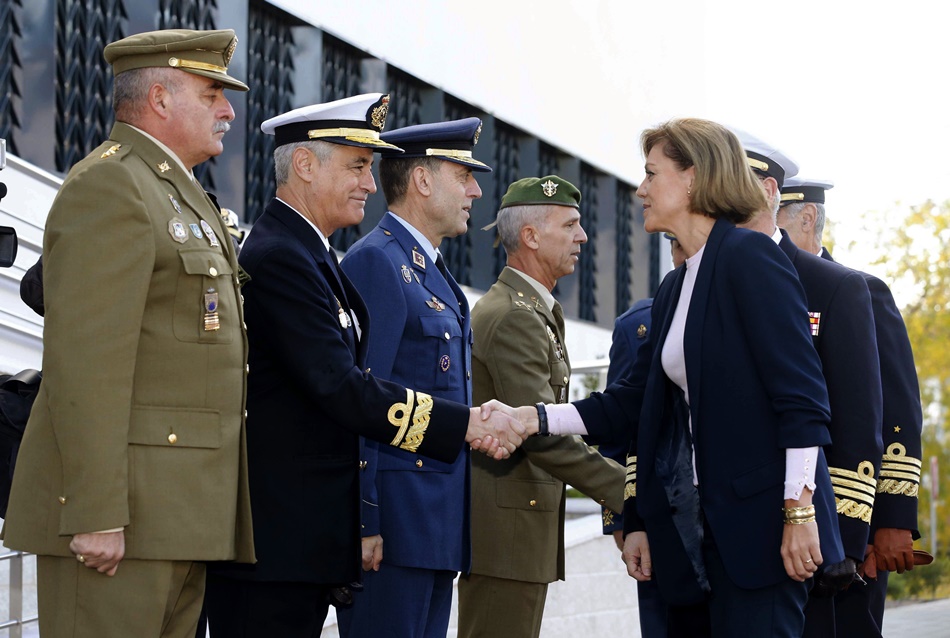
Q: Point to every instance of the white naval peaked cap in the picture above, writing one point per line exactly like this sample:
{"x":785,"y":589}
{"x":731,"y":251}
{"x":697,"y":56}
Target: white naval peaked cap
{"x":765,"y":159}
{"x":352,"y":121}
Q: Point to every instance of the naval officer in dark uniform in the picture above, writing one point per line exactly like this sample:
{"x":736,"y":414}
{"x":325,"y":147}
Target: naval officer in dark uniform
{"x":416,"y":530}
{"x":310,"y":395}
{"x":860,"y":610}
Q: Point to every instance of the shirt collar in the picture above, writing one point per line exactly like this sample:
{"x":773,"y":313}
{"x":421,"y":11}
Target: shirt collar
{"x":162,"y":146}
{"x":543,"y":292}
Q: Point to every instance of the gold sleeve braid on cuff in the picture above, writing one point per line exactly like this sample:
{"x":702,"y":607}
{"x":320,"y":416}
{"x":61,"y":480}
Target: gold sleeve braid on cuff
{"x":900,"y":474}
{"x":854,"y":491}
{"x":630,"y":488}
{"x":410,"y":438}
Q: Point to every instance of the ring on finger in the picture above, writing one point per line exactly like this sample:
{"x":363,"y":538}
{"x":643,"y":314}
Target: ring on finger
{"x":807,"y":561}
{"x":81,"y":558}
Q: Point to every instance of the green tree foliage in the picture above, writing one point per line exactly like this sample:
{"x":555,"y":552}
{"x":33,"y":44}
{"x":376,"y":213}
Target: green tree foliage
{"x":914,"y":249}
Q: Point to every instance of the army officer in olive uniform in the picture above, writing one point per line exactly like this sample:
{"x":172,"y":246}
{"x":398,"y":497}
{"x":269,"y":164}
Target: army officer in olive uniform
{"x":133,"y":463}
{"x":519,"y":357}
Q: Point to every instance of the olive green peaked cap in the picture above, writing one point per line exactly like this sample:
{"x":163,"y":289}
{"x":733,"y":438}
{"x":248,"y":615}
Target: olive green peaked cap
{"x":549,"y":190}
{"x":204,"y":53}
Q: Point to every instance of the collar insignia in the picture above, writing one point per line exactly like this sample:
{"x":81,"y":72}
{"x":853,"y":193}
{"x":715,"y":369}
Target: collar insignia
{"x":164,"y":167}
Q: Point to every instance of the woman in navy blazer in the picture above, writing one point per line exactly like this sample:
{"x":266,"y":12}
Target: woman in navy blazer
{"x":727,"y":403}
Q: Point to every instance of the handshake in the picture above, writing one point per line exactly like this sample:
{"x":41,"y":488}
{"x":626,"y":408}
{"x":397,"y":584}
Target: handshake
{"x":498,"y":430}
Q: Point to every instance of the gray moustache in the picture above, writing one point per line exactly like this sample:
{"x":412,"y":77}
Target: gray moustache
{"x":221,"y":127}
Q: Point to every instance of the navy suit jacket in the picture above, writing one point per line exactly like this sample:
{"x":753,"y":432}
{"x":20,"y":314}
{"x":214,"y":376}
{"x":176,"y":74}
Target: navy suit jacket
{"x":842,"y":327}
{"x":420,"y":506}
{"x":755,"y":389}
{"x":308,"y":402}
{"x":631,"y":330}
{"x":896,"y":502}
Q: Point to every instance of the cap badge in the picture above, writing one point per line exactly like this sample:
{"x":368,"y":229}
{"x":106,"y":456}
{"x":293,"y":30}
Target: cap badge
{"x":230,"y":51}
{"x":164,"y":167}
{"x":444,"y":363}
{"x":406,"y":275}
{"x":175,"y":203}
{"x":435,"y":304}
{"x":378,"y":115}
{"x":195,"y":230}
{"x":418,"y":259}
{"x":814,"y":321}
{"x":641,"y":331}
{"x":111,"y":151}
{"x":478,"y":132}
{"x":549,"y":188}
{"x":209,"y":233}
{"x":178,"y":231}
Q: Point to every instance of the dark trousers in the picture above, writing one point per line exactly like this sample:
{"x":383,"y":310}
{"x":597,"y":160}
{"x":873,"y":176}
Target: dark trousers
{"x":401,"y":602}
{"x":652,"y":610}
{"x":730,"y":611}
{"x":250,"y":609}
{"x":859,"y":611}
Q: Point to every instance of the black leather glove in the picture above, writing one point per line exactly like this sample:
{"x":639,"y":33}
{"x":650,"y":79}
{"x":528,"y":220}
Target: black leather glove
{"x":834,"y":578}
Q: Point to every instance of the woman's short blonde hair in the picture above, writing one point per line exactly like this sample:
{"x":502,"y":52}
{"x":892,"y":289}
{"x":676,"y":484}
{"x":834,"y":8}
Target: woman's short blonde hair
{"x":724,"y":185}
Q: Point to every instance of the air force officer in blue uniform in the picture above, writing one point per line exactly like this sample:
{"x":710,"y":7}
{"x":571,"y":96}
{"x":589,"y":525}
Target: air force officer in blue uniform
{"x":416,"y":531}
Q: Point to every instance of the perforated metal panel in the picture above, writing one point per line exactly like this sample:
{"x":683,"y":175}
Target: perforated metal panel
{"x":83,"y":79}
{"x":405,"y":94}
{"x":587,"y":262}
{"x":9,"y":90}
{"x":270,"y":76}
{"x":624,"y":251}
{"x":506,"y":166}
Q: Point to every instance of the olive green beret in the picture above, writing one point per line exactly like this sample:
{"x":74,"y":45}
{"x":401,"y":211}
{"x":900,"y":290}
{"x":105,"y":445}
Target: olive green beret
{"x":204,"y":53}
{"x":548,"y":190}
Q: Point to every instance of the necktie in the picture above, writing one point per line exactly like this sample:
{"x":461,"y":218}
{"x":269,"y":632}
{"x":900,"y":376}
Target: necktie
{"x":440,"y":264}
{"x":558,"y":317}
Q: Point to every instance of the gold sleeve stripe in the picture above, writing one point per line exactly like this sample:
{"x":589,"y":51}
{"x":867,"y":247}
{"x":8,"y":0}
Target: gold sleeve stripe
{"x":399,"y":416}
{"x":852,"y":495}
{"x":420,"y":422}
{"x":855,"y":486}
{"x":901,"y":473}
{"x":865,"y":472}
{"x":851,"y":509}
{"x":629,"y":491}
{"x":898,"y":453}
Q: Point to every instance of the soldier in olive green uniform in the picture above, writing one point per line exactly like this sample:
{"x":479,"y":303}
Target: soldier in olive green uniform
{"x":519,"y":358}
{"x":133,"y":464}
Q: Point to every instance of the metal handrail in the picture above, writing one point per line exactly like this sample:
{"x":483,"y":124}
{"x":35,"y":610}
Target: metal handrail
{"x":15,"y":623}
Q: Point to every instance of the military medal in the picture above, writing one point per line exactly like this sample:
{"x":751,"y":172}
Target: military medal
{"x":558,"y":350}
{"x":209,"y":233}
{"x":175,"y":203}
{"x":562,"y":395}
{"x":418,"y":259}
{"x":345,"y":321}
{"x":814,"y":321}
{"x":212,"y":320}
{"x":416,"y":275}
{"x":435,"y":304}
{"x":406,"y":275}
{"x":178,"y":231}
{"x":444,"y":363}
{"x":195,"y":230}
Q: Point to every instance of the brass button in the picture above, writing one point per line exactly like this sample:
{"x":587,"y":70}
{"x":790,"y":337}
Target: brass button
{"x":468,"y":375}
{"x":532,"y":502}
{"x":419,"y":463}
{"x":62,"y":500}
{"x":565,"y":380}
{"x":367,"y":370}
{"x":213,"y":271}
{"x":447,"y":336}
{"x":245,"y":414}
{"x":362,"y":465}
{"x":173,"y":438}
{"x":602,"y":501}
{"x":247,"y":368}
{"x":242,"y":296}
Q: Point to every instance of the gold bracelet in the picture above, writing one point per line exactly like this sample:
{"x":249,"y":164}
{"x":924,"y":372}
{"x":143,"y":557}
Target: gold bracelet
{"x":799,"y":521}
{"x":807,"y":510}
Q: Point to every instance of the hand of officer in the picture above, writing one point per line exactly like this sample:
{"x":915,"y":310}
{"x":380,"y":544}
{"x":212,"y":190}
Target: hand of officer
{"x":491,"y":429}
{"x":618,"y":539}
{"x":372,"y":552}
{"x":636,"y":555}
{"x":893,"y":550}
{"x":801,"y":549}
{"x":101,"y":552}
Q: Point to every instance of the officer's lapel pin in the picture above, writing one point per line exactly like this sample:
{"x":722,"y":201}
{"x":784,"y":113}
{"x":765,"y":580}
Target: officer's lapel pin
{"x":175,"y":203}
{"x":164,"y":167}
{"x":406,"y":275}
{"x":418,"y":259}
{"x":177,"y":230}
